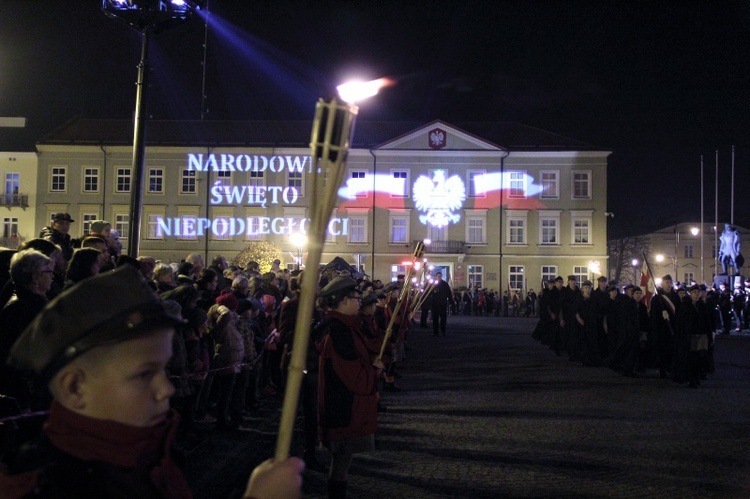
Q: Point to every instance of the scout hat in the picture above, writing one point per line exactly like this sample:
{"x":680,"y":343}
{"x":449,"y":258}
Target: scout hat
{"x":62,"y":217}
{"x":339,"y":286}
{"x":119,"y":306}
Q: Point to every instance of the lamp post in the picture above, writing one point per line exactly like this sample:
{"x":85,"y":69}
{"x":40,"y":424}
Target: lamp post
{"x":147,"y":17}
{"x":299,"y":240}
{"x":694,"y":231}
{"x":634,"y":262}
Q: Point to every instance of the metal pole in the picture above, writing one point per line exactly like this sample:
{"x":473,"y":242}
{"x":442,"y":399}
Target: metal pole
{"x":731,"y":218}
{"x":703,"y":228}
{"x":139,"y":149}
{"x":716,"y":220}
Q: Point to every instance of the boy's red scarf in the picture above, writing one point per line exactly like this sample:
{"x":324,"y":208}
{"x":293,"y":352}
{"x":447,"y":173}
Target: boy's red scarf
{"x":114,"y":443}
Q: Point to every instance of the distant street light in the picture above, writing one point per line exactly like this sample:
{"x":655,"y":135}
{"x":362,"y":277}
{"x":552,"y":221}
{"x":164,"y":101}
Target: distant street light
{"x":300,"y":241}
{"x":635,"y":270}
{"x":146,"y":17}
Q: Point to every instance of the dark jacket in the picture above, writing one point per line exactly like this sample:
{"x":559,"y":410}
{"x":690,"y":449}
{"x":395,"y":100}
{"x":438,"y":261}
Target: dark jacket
{"x":347,"y":382}
{"x":60,"y":239}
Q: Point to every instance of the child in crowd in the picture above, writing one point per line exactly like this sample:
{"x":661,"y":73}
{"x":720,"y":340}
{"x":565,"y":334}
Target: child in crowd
{"x":103,"y":347}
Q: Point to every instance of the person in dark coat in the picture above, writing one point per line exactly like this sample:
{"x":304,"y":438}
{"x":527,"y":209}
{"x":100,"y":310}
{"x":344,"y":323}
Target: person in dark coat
{"x":32,"y":273}
{"x":586,"y":317}
{"x":569,"y":297}
{"x":692,"y":337}
{"x":58,"y":234}
{"x":624,"y":357}
{"x":664,"y":307}
{"x":347,"y":383}
{"x":442,"y":296}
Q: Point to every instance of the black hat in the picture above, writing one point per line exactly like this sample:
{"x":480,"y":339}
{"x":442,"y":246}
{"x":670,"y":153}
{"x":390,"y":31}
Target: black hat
{"x":119,"y":305}
{"x":390,"y":287}
{"x":572,"y":278}
{"x":339,"y":286}
{"x":558,"y":278}
{"x":601,"y":278}
{"x":62,"y":217}
{"x":666,"y":277}
{"x":369,"y":298}
{"x":694,"y":287}
{"x":587,"y":283}
{"x":612,"y":288}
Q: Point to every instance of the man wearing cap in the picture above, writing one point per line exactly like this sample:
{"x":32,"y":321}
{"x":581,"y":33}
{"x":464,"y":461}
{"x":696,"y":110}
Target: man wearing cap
{"x":442,"y":296}
{"x":58,"y":234}
{"x":347,"y":382}
{"x":664,"y":308}
{"x":110,"y":427}
{"x":569,"y":297}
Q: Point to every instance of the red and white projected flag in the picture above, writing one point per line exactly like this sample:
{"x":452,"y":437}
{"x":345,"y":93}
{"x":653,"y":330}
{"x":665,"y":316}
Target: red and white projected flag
{"x":647,"y":284}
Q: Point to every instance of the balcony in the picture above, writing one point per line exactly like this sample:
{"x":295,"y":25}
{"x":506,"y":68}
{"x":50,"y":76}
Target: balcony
{"x":445,"y":247}
{"x":9,"y":200}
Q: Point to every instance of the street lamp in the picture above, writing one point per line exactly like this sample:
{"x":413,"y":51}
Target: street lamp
{"x":694,"y":231}
{"x":300,"y":241}
{"x":146,"y":17}
{"x":634,"y":262}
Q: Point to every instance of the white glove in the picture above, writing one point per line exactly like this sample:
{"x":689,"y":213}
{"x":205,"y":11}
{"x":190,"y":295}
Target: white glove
{"x":665,"y":315}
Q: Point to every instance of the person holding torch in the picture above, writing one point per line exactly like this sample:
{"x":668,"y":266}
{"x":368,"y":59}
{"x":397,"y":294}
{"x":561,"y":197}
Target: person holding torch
{"x":347,"y":383}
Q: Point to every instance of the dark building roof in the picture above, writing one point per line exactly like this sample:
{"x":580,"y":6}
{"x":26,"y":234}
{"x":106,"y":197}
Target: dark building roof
{"x":367,"y":134}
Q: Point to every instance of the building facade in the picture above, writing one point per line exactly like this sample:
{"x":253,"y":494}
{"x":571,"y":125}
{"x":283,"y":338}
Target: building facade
{"x":18,"y":199}
{"x":686,"y":251}
{"x":502,"y":204}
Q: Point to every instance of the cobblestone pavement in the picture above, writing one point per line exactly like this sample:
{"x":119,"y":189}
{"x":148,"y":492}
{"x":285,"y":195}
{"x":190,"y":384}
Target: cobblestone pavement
{"x":487,"y":412}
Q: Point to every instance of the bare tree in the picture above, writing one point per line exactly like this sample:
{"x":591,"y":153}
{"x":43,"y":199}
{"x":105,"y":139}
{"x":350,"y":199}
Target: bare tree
{"x":621,"y":254}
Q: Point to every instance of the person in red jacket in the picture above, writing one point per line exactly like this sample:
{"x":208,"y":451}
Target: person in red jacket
{"x":347,"y":383}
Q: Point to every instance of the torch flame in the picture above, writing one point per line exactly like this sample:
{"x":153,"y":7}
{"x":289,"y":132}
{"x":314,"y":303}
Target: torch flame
{"x":355,"y":91}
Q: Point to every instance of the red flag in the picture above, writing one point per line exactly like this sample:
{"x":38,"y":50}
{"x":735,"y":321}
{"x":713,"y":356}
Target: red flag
{"x":647,"y":285}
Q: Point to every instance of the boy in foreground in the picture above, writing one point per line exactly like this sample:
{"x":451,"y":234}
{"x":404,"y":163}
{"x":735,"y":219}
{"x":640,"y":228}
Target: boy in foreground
{"x":103,"y":347}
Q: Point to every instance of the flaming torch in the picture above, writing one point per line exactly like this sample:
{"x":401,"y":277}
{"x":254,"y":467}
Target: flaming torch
{"x":332,"y":130}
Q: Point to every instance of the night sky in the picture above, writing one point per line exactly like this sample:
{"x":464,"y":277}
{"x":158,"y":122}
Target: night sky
{"x":658,"y":83}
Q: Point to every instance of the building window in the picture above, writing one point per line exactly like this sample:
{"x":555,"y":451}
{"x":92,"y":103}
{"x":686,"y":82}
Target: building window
{"x":257,"y":179}
{"x":688,"y":277}
{"x":187,"y":186}
{"x":688,"y":251}
{"x":581,"y":232}
{"x":549,"y":231}
{"x":357,"y":229}
{"x":91,"y":179}
{"x":515,"y":276}
{"x":122,"y":224}
{"x":222,"y":230}
{"x":517,"y":185}
{"x":581,"y":273}
{"x":122,"y":183}
{"x":294,"y":179}
{"x":358,"y":179}
{"x":396,"y":270}
{"x":517,"y":231}
{"x":153,"y":231}
{"x":10,"y":227}
{"x":58,"y":179}
{"x":399,"y":229}
{"x":156,"y":180}
{"x":474,"y":181}
{"x":550,"y":184}
{"x":437,"y":233}
{"x":475,"y":228}
{"x":475,"y":275}
{"x":549,"y":272}
{"x":253,"y":229}
{"x":87,"y":219}
{"x":581,"y":185}
{"x":401,"y":183}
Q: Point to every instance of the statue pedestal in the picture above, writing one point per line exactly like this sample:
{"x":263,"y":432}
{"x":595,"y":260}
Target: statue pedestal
{"x":730,"y":280}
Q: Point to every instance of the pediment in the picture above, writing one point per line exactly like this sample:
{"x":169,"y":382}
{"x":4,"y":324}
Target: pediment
{"x":436,"y":136}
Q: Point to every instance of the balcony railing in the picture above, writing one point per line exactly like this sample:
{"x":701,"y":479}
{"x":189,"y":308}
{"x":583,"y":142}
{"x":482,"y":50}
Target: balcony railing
{"x":21,"y":200}
{"x":445,"y":247}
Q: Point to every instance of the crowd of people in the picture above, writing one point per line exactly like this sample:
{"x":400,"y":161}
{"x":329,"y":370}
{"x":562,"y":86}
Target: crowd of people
{"x":221,"y":335}
{"x":618,"y":328}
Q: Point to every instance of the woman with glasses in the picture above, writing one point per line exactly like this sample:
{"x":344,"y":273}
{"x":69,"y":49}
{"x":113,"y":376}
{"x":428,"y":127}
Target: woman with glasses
{"x":32,"y":274}
{"x":347,"y":382}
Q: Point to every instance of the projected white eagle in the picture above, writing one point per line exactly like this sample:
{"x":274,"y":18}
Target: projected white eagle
{"x":439,"y":197}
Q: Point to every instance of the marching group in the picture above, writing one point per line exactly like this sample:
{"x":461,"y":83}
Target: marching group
{"x":73,"y":312}
{"x":619,"y":329}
